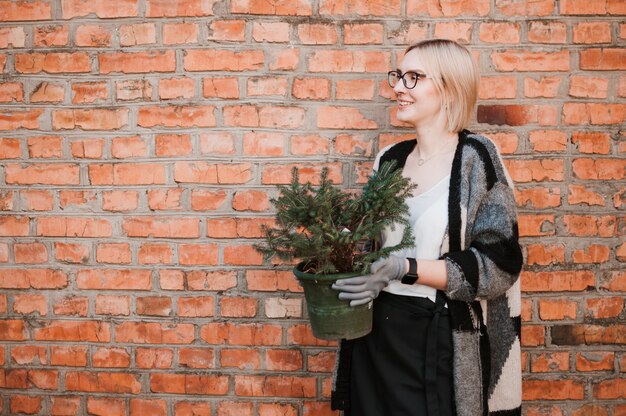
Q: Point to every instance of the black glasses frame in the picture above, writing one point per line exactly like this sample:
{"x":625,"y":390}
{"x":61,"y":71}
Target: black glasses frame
{"x":394,"y":76}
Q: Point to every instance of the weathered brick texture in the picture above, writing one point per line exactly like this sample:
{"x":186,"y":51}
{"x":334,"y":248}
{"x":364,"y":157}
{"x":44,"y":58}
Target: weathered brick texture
{"x":141,"y":142}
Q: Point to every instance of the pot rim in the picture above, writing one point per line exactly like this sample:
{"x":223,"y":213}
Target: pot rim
{"x":300,"y":275}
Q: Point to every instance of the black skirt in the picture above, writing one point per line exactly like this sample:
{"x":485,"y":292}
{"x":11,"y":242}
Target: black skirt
{"x":395,"y":370}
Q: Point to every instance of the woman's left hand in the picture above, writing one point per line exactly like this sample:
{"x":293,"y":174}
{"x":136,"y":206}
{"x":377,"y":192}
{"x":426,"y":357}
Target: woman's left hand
{"x":360,"y":290}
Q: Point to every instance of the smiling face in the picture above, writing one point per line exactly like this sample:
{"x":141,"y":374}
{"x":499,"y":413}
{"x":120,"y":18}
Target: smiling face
{"x":422,"y":105}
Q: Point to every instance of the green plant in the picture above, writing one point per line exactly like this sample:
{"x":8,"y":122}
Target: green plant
{"x":336,"y":231}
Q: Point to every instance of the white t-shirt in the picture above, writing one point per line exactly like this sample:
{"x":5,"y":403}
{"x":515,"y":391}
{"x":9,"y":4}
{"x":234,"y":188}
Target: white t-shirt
{"x":428,"y":216}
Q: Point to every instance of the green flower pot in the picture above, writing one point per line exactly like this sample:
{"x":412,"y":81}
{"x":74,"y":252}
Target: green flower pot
{"x":332,"y":318}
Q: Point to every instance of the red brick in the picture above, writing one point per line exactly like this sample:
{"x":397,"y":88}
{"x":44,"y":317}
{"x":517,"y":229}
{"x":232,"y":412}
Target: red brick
{"x":65,"y":405}
{"x":513,"y":60}
{"x":261,"y":86}
{"x":116,"y":253}
{"x":552,"y":390}
{"x":263,"y":144}
{"x":73,"y":227}
{"x":71,"y":253}
{"x":80,"y":331}
{"x":458,"y":31}
{"x":51,"y":35}
{"x":222,"y":60}
{"x":165,"y":199}
{"x":14,"y":226}
{"x":11,"y":91}
{"x":37,"y":200}
{"x":27,"y":304}
{"x":106,"y":407}
{"x":303,"y":335}
{"x":192,"y":409}
{"x":348,"y":61}
{"x":557,"y":281}
{"x":580,"y":195}
{"x":251,"y":200}
{"x":599,"y":169}
{"x":244,"y":255}
{"x":112,"y":279}
{"x":137,"y":62}
{"x":610,"y":389}
{"x":206,"y":200}
{"x":42,"y":173}
{"x":277,"y":409}
{"x":202,"y":306}
{"x":550,"y":362}
{"x":32,"y":278}
{"x":45,"y":147}
{"x":139,"y":407}
{"x":133,"y":90}
{"x":25,"y":404}
{"x":30,"y":253}
{"x":592,"y":32}
{"x":17,"y":11}
{"x":587,"y":87}
{"x":547,"y":32}
{"x":545,"y":255}
{"x":227,"y":30}
{"x":180,"y":33}
{"x":283,"y":360}
{"x":102,"y":382}
{"x":113,"y":8}
{"x":28,"y":355}
{"x":53,"y":62}
{"x":592,"y":142}
{"x":154,"y":305}
{"x":227,"y":88}
{"x":317,"y":34}
{"x":594,"y":253}
{"x":363,"y":34}
{"x":89,"y":92}
{"x":71,"y":306}
{"x":557,"y":309}
{"x":154,"y":357}
{"x":311,"y":88}
{"x":198,"y":254}
{"x":535,"y":170}
{"x":189,"y":384}
{"x":172,"y":88}
{"x":120,"y":200}
{"x":291,"y":8}
{"x":547,"y":87}
{"x":269,"y":386}
{"x":13,"y":120}
{"x":525,"y":7}
{"x":241,"y":334}
{"x":548,"y":141}
{"x":497,"y":87}
{"x":276,"y":32}
{"x":594,"y":361}
{"x":154,"y":333}
{"x":285,"y":60}
{"x":196,"y":357}
{"x":90,"y":119}
{"x":604,"y":307}
{"x":73,"y":356}
{"x":198,"y":280}
{"x":360,"y":7}
{"x":499,"y":32}
{"x":361,"y":89}
{"x":167,"y":145}
{"x":271,"y":281}
{"x":92,"y":35}
{"x":580,"y":7}
{"x":176,"y":116}
{"x":10,"y":148}
{"x":602,"y":59}
{"x":238,"y":307}
{"x":248,"y":359}
{"x":165,"y":227}
{"x":111,"y":357}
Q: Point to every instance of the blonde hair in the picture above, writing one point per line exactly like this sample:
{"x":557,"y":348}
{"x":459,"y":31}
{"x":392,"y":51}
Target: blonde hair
{"x":455,"y":75}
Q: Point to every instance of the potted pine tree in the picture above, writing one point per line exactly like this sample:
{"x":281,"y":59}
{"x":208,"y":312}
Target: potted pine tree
{"x":333,"y":234}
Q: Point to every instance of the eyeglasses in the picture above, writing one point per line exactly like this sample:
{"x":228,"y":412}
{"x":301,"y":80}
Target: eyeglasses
{"x":409,"y":78}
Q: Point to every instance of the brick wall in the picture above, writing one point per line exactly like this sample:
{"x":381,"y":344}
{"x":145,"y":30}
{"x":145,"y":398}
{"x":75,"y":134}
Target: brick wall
{"x":140,"y":141}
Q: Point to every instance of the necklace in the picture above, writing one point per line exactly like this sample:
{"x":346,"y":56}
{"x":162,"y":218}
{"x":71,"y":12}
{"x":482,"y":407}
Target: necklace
{"x":421,"y":160}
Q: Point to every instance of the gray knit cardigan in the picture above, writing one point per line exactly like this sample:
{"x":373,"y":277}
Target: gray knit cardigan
{"x":483,"y":261}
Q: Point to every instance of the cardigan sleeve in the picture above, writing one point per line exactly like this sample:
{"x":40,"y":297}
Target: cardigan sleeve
{"x":493,"y":261}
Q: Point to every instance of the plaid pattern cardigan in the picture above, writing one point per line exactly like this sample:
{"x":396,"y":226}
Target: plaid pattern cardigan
{"x":484,"y":261}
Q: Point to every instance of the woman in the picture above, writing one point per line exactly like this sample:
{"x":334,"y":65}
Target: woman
{"x":445,"y":338}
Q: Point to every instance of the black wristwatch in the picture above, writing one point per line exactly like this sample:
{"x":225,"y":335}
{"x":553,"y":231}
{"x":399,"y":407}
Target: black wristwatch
{"x":412,"y":276}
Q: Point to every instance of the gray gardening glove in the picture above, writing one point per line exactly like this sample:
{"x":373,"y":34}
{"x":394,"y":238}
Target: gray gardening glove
{"x":360,"y":290}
